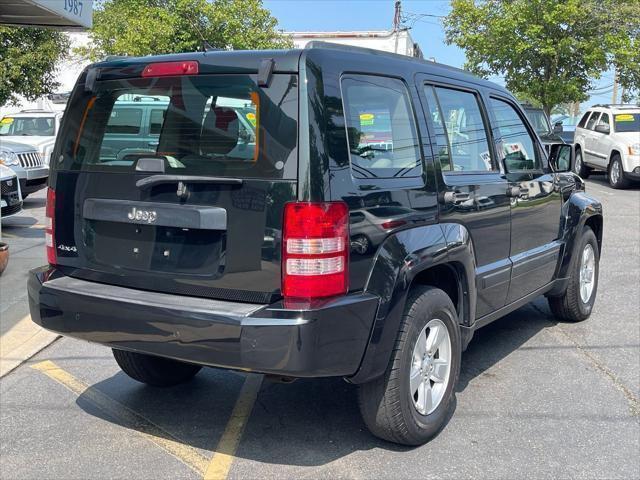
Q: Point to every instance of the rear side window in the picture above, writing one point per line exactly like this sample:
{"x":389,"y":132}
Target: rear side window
{"x":381,"y":128}
{"x":461,"y":135}
{"x":592,"y":120}
{"x":218,"y":125}
{"x":583,"y":121}
{"x":518,"y":145}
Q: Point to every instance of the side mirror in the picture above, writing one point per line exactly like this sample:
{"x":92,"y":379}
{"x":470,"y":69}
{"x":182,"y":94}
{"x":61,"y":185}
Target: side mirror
{"x":603,"y":128}
{"x":557,"y":127}
{"x":561,"y":157}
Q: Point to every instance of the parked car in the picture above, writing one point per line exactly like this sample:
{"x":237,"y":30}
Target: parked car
{"x":608,"y":139}
{"x":10,"y":196}
{"x":166,"y":259}
{"x":135,"y":124}
{"x":540,"y":121}
{"x":27,"y":163}
{"x":568,"y":123}
{"x":37,"y":128}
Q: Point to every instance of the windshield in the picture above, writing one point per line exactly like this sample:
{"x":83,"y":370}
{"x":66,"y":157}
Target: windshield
{"x":539,"y":121}
{"x":627,"y":122}
{"x":28,"y":126}
{"x":221,"y":125}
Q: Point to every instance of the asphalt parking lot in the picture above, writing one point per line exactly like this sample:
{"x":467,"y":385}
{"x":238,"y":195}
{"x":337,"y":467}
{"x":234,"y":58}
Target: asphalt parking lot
{"x":536,"y":398}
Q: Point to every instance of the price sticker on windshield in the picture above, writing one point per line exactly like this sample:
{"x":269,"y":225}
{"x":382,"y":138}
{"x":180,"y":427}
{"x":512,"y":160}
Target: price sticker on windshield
{"x":6,"y":121}
{"x":624,"y":117}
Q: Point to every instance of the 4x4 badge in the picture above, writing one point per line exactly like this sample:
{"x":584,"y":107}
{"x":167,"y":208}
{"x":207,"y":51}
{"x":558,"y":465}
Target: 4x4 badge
{"x":148,"y":216}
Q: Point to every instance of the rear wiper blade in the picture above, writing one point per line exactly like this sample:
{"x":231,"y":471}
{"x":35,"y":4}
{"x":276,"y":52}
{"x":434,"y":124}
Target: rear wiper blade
{"x":152,"y":180}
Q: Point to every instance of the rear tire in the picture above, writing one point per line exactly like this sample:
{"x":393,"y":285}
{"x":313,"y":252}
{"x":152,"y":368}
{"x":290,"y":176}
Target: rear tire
{"x":571,"y":306}
{"x":389,"y":408}
{"x":578,"y":165}
{"x":615,"y":173}
{"x":155,"y":371}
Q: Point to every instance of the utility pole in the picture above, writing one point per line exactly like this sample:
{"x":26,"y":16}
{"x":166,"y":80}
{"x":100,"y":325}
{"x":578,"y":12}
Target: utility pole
{"x":396,"y":24}
{"x":396,"y":16}
{"x":614,"y":96}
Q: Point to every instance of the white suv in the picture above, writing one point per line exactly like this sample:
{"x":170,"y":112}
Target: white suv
{"x":37,"y":128}
{"x":608,"y":138}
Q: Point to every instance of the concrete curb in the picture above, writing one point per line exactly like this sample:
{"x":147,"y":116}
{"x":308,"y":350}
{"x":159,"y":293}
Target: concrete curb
{"x":22,"y":342}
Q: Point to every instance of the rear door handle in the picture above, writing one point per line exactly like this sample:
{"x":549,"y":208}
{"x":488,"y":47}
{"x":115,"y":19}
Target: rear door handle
{"x":153,"y":144}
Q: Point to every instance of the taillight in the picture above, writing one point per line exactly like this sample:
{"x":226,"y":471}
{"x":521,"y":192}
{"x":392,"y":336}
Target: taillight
{"x":393,"y":224}
{"x":50,"y":223}
{"x":163,"y":69}
{"x":315,"y":250}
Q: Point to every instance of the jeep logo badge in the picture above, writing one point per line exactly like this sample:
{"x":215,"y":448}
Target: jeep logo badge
{"x":148,"y":216}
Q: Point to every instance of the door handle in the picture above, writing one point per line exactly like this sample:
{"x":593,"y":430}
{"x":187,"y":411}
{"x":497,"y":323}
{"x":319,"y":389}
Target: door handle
{"x":456,"y":198}
{"x":153,"y":144}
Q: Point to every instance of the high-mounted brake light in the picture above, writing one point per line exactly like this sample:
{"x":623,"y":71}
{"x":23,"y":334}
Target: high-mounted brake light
{"x":50,"y":224}
{"x":163,"y":69}
{"x":315,"y":250}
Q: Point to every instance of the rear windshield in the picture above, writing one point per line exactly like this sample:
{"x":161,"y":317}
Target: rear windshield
{"x":627,"y":122}
{"x":220,"y":125}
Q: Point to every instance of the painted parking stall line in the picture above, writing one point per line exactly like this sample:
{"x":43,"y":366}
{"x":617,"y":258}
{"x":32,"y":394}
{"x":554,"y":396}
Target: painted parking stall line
{"x":149,"y":430}
{"x":224,"y":456}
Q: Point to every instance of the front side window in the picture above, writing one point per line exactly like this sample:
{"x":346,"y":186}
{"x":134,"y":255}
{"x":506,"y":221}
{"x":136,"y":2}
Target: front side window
{"x":592,"y":120}
{"x":518,"y":146}
{"x":381,"y":128}
{"x":539,"y":121}
{"x":458,"y":114}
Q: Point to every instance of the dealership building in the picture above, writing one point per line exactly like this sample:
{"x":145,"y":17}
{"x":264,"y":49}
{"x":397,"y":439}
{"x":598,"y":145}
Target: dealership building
{"x":61,"y":14}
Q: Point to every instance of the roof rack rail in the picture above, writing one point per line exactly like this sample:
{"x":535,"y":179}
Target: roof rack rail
{"x":625,"y":105}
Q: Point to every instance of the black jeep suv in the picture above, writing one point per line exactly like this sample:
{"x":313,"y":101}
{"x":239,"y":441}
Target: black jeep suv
{"x":331,"y":211}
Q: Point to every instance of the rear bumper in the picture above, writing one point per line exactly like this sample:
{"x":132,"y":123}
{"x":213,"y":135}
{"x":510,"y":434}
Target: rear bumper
{"x":328,"y":340}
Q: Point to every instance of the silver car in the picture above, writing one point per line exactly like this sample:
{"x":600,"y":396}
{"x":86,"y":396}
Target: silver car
{"x":27,"y":163}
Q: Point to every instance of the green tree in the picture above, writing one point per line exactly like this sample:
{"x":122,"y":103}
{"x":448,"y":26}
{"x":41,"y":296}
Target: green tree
{"x":28,"y":58}
{"x":149,"y":27}
{"x":548,"y":50}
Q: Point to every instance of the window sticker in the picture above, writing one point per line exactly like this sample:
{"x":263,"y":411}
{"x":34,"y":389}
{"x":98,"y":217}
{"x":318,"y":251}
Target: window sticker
{"x":252,"y":118}
{"x":6,"y":121}
{"x":624,"y":117}
{"x":367,"y":119}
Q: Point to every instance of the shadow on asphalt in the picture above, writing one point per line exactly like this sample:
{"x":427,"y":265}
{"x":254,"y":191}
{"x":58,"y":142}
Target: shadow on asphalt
{"x":305,"y":423}
{"x":30,"y":203}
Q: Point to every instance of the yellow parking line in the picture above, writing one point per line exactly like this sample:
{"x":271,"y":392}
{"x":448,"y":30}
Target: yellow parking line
{"x":149,"y":430}
{"x":222,"y":460}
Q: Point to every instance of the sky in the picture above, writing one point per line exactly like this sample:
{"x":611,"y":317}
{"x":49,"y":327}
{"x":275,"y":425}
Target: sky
{"x":427,"y":31}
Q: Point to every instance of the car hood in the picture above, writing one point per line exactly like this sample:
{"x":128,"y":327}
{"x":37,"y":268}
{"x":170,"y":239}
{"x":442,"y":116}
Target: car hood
{"x":550,"y":137}
{"x":15,"y":147}
{"x":38,"y":142}
{"x":6,"y":173}
{"x":628,"y":137}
